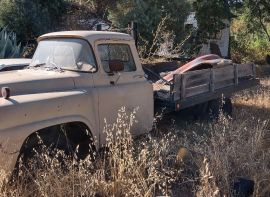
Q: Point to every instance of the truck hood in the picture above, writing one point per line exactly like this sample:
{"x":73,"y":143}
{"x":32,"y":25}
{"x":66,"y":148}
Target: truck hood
{"x":30,"y":81}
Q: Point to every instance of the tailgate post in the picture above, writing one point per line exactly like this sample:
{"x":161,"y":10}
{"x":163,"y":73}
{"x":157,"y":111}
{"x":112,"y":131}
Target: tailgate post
{"x":183,"y":86}
{"x":235,"y":74}
{"x":212,"y":79}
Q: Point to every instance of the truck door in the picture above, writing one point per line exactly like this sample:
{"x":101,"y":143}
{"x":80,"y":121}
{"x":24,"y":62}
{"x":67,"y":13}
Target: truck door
{"x":127,"y":88}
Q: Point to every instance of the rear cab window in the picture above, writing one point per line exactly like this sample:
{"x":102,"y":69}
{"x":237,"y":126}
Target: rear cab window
{"x":116,"y":52}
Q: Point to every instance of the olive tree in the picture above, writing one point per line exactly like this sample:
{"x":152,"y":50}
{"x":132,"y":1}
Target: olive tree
{"x":149,"y":14}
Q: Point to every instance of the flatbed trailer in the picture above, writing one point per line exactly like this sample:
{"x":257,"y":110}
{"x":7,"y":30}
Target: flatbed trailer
{"x":200,"y":86}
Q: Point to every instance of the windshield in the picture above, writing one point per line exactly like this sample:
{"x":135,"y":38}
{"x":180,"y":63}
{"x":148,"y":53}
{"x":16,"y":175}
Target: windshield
{"x":73,"y":54}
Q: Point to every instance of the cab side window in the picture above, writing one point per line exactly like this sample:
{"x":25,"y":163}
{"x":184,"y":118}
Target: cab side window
{"x":116,"y":52}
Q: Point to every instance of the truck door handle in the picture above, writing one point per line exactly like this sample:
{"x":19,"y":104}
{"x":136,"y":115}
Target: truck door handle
{"x":115,"y":82}
{"x":138,"y":76}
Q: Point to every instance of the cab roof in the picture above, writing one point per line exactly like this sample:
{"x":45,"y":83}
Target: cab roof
{"x":88,"y":35}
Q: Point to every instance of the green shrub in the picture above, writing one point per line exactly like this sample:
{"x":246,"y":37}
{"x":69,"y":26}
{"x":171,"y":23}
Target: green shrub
{"x":247,"y":45}
{"x":31,"y":18}
{"x":8,"y":45}
{"x":149,"y":15}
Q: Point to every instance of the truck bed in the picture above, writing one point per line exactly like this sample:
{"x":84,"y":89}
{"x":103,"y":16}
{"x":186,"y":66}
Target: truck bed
{"x":195,"y":87}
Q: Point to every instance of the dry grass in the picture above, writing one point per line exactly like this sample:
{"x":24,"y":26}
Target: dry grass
{"x":215,"y":155}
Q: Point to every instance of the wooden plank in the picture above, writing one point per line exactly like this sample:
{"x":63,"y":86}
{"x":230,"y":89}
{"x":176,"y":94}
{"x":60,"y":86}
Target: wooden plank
{"x":196,"y":72}
{"x":183,"y":87}
{"x":223,"y":84}
{"x":198,"y":79}
{"x":208,"y":80}
{"x":212,"y":79}
{"x":196,"y":90}
{"x":176,"y":87}
{"x":245,"y":70}
{"x":223,"y":74}
{"x":227,"y":91}
{"x":204,"y":97}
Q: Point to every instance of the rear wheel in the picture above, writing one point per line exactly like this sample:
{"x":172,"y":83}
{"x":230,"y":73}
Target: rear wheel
{"x":227,"y":107}
{"x":200,"y":112}
{"x":217,"y":106}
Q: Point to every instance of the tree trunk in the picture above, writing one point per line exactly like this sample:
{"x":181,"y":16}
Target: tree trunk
{"x":262,"y":24}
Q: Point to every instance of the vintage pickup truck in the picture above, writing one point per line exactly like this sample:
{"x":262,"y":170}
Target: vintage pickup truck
{"x":79,"y":78}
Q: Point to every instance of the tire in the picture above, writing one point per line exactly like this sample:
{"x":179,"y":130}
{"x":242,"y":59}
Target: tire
{"x":35,"y":159}
{"x":217,"y":106}
{"x":200,"y":111}
{"x":58,"y":144}
{"x":227,"y":107}
{"x":213,"y":109}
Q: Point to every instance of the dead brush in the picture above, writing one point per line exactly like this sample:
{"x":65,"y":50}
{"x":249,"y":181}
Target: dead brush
{"x":254,"y":101}
{"x":223,"y":152}
{"x":137,"y":168}
{"x":129,"y":168}
{"x":207,"y":186}
{"x":233,"y":149}
{"x":163,"y":46}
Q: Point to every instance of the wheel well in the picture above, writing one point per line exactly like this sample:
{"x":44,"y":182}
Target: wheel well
{"x":75,"y":135}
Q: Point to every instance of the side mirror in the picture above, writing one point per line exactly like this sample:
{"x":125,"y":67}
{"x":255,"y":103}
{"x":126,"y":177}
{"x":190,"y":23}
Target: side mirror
{"x":116,"y":66}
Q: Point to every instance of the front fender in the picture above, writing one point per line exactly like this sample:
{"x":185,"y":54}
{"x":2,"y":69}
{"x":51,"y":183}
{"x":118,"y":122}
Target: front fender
{"x":22,"y":115}
{"x":12,"y":139}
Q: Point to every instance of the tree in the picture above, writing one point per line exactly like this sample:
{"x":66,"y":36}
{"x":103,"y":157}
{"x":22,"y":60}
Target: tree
{"x":211,"y":16}
{"x":257,"y":14}
{"x":149,"y":14}
{"x":98,"y":7}
{"x":30,"y":18}
{"x":250,"y":31}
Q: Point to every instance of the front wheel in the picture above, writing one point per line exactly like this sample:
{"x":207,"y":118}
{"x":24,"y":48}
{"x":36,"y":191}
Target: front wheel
{"x":51,"y":150}
{"x":39,"y":158}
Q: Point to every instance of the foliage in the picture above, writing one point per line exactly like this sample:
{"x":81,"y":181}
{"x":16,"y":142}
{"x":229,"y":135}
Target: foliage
{"x":251,"y":31}
{"x":257,"y":16}
{"x":98,"y":7}
{"x":246,"y":46}
{"x":213,"y":14}
{"x":250,"y":25}
{"x":148,"y":14}
{"x":8,"y":45}
{"x":210,"y":16}
{"x":28,"y":19}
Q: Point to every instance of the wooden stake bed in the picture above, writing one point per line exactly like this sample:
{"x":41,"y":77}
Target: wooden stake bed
{"x":195,"y":87}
